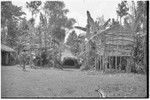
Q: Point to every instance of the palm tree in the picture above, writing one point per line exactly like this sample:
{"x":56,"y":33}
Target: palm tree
{"x":133,"y":23}
{"x":91,"y":30}
{"x":33,"y":7}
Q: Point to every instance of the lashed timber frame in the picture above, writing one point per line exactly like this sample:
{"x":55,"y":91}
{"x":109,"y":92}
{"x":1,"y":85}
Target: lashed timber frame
{"x":114,"y":42}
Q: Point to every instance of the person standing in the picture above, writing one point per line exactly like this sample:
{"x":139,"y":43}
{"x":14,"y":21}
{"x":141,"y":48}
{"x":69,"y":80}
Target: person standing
{"x":23,"y":59}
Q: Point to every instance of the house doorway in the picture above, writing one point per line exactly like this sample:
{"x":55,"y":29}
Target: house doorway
{"x":70,"y":63}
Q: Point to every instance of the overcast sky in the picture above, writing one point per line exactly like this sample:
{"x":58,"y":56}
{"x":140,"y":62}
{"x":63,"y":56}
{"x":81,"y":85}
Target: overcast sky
{"x":78,"y":8}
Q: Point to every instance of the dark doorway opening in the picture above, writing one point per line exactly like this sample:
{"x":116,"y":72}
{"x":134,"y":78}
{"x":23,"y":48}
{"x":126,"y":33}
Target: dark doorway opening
{"x":8,"y":58}
{"x":70,"y":63}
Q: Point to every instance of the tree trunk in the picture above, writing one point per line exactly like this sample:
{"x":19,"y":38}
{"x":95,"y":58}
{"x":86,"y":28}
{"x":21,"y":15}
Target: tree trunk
{"x":30,"y":49}
{"x":40,"y":51}
{"x":31,"y":30}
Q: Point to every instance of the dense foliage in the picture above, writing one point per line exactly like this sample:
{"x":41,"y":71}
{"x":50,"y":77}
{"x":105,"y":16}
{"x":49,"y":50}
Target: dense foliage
{"x":74,"y":42}
{"x":122,"y":9}
{"x":46,"y":39}
{"x":10,"y":17}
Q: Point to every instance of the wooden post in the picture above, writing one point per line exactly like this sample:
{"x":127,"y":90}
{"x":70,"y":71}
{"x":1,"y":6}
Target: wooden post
{"x":103,"y":62}
{"x":115,"y":62}
{"x":6,"y":62}
{"x":121,"y":62}
{"x":100,"y":62}
{"x":109,"y":62}
{"x":95,"y":63}
{"x":110,"y":67}
{"x":128,"y":68}
{"x":106,"y":62}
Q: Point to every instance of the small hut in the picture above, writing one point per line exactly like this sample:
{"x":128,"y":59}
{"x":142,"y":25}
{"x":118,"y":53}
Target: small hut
{"x":68,"y":59}
{"x":115,"y":51}
{"x":107,"y":48}
{"x":7,"y":55}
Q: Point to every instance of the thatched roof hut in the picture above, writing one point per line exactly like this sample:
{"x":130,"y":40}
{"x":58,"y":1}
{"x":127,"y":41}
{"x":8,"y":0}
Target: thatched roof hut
{"x":7,"y":55}
{"x":6,"y":48}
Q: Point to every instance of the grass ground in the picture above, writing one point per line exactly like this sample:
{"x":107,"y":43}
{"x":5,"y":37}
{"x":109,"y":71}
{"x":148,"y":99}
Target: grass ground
{"x":69,"y":83}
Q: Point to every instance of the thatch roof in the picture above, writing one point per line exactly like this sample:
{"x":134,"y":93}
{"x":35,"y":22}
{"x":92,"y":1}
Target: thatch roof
{"x":82,"y":54}
{"x":116,"y":36}
{"x":6,"y":48}
{"x":67,"y":53}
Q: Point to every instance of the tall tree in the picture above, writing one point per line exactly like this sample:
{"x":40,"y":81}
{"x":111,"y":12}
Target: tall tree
{"x":10,"y":17}
{"x":74,"y":42}
{"x":33,"y":6}
{"x":58,"y":22}
{"x":23,"y":37}
{"x":135,"y":23}
{"x":57,"y":15}
{"x":71,"y":38}
{"x":122,"y":9}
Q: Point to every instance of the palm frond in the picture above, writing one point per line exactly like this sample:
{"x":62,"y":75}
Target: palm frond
{"x":104,"y":26}
{"x":81,"y":28}
{"x":127,"y":25}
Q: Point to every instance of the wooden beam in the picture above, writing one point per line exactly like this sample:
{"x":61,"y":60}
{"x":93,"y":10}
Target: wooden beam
{"x":81,"y":28}
{"x":117,"y":37}
{"x":120,"y":40}
{"x":122,"y":35}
